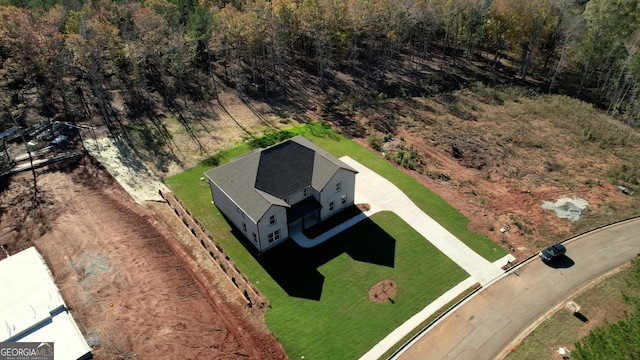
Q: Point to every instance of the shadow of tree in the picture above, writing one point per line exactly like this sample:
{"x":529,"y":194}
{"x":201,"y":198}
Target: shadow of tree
{"x":152,"y":142}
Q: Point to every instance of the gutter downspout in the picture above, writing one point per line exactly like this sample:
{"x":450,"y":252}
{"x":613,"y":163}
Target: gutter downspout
{"x":259,"y":238}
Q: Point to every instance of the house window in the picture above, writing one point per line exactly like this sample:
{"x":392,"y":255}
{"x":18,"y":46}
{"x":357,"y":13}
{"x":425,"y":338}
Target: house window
{"x":272,"y":219}
{"x":338,"y":186}
{"x":255,"y":238}
{"x":343,"y":199}
{"x":274,"y":236}
{"x":244,"y":227}
{"x":332,"y":205}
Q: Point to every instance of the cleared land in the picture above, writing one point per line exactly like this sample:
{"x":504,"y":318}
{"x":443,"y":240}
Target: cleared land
{"x":497,"y":154}
{"x":132,"y":292}
{"x":516,"y":149}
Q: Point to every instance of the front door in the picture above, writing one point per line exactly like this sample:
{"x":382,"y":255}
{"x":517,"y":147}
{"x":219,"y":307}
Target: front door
{"x":295,"y":227}
{"x":311,"y":219}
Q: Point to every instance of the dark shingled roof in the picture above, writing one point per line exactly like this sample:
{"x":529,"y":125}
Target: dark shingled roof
{"x":284,"y":169}
{"x":259,"y":179}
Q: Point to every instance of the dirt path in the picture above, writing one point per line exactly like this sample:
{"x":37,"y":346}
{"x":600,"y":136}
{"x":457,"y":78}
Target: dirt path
{"x":125,"y":166}
{"x":132,"y":295}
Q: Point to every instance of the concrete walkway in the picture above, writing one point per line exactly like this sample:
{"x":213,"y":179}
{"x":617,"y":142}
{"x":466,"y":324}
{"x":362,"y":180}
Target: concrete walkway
{"x":382,"y":195}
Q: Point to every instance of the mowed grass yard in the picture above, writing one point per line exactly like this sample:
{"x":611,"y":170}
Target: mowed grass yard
{"x":321,"y":308}
{"x":319,"y":305}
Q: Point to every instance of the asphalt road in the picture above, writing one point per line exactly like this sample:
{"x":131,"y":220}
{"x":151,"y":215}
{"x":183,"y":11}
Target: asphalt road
{"x":488,"y":324}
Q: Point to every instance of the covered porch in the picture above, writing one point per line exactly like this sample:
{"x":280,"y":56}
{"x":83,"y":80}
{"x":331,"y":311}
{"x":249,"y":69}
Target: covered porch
{"x":303,"y":215}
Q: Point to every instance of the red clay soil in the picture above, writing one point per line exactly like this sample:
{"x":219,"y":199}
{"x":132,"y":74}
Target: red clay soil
{"x":491,"y":202}
{"x":131,"y":292}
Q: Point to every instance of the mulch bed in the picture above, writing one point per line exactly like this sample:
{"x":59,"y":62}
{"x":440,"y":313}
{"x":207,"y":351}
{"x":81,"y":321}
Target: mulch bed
{"x":383,"y":291}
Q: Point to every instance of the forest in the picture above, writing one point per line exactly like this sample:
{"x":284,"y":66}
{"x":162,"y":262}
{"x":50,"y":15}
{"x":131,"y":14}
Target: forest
{"x":124,"y":63}
{"x":72,"y":55}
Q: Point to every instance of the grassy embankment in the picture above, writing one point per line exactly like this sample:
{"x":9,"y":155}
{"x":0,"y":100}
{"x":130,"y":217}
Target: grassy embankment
{"x":606,"y":306}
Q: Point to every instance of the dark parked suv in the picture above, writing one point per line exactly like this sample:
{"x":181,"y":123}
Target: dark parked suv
{"x":552,"y":252}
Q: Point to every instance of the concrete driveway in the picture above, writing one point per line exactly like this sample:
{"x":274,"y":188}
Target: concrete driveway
{"x":488,"y":324}
{"x":382,"y":195}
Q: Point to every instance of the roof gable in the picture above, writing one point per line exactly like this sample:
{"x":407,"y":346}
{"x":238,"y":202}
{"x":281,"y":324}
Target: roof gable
{"x":263,"y":178}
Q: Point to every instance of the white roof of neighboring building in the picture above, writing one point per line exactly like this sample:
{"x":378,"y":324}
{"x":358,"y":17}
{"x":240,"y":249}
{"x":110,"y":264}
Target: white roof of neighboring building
{"x":32,"y":310}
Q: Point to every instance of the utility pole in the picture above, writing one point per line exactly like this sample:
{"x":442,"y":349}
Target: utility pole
{"x":26,"y":146}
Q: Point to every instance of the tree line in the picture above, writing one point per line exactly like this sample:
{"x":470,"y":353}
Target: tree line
{"x":74,"y":54}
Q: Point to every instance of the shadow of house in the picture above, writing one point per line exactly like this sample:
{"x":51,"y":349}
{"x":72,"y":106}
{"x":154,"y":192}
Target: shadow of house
{"x":295,"y":268}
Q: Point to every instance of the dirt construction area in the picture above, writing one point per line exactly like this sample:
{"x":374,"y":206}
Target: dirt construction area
{"x":132,"y":291}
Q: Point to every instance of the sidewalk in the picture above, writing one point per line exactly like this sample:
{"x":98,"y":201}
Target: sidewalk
{"x":382,"y":195}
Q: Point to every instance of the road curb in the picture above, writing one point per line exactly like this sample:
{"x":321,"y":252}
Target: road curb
{"x":554,"y":310}
{"x":507,"y":272}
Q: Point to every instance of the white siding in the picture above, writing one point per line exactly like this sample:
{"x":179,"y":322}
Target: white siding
{"x":236,"y":215}
{"x":297,"y":197}
{"x":265,"y":227}
{"x":347,"y":181}
{"x":245,"y":224}
{"x":300,"y":195}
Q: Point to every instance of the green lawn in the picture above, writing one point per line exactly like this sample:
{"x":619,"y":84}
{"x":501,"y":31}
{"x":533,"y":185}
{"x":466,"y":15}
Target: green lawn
{"x":338,"y":145}
{"x":318,"y":297}
{"x":320,"y":305}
